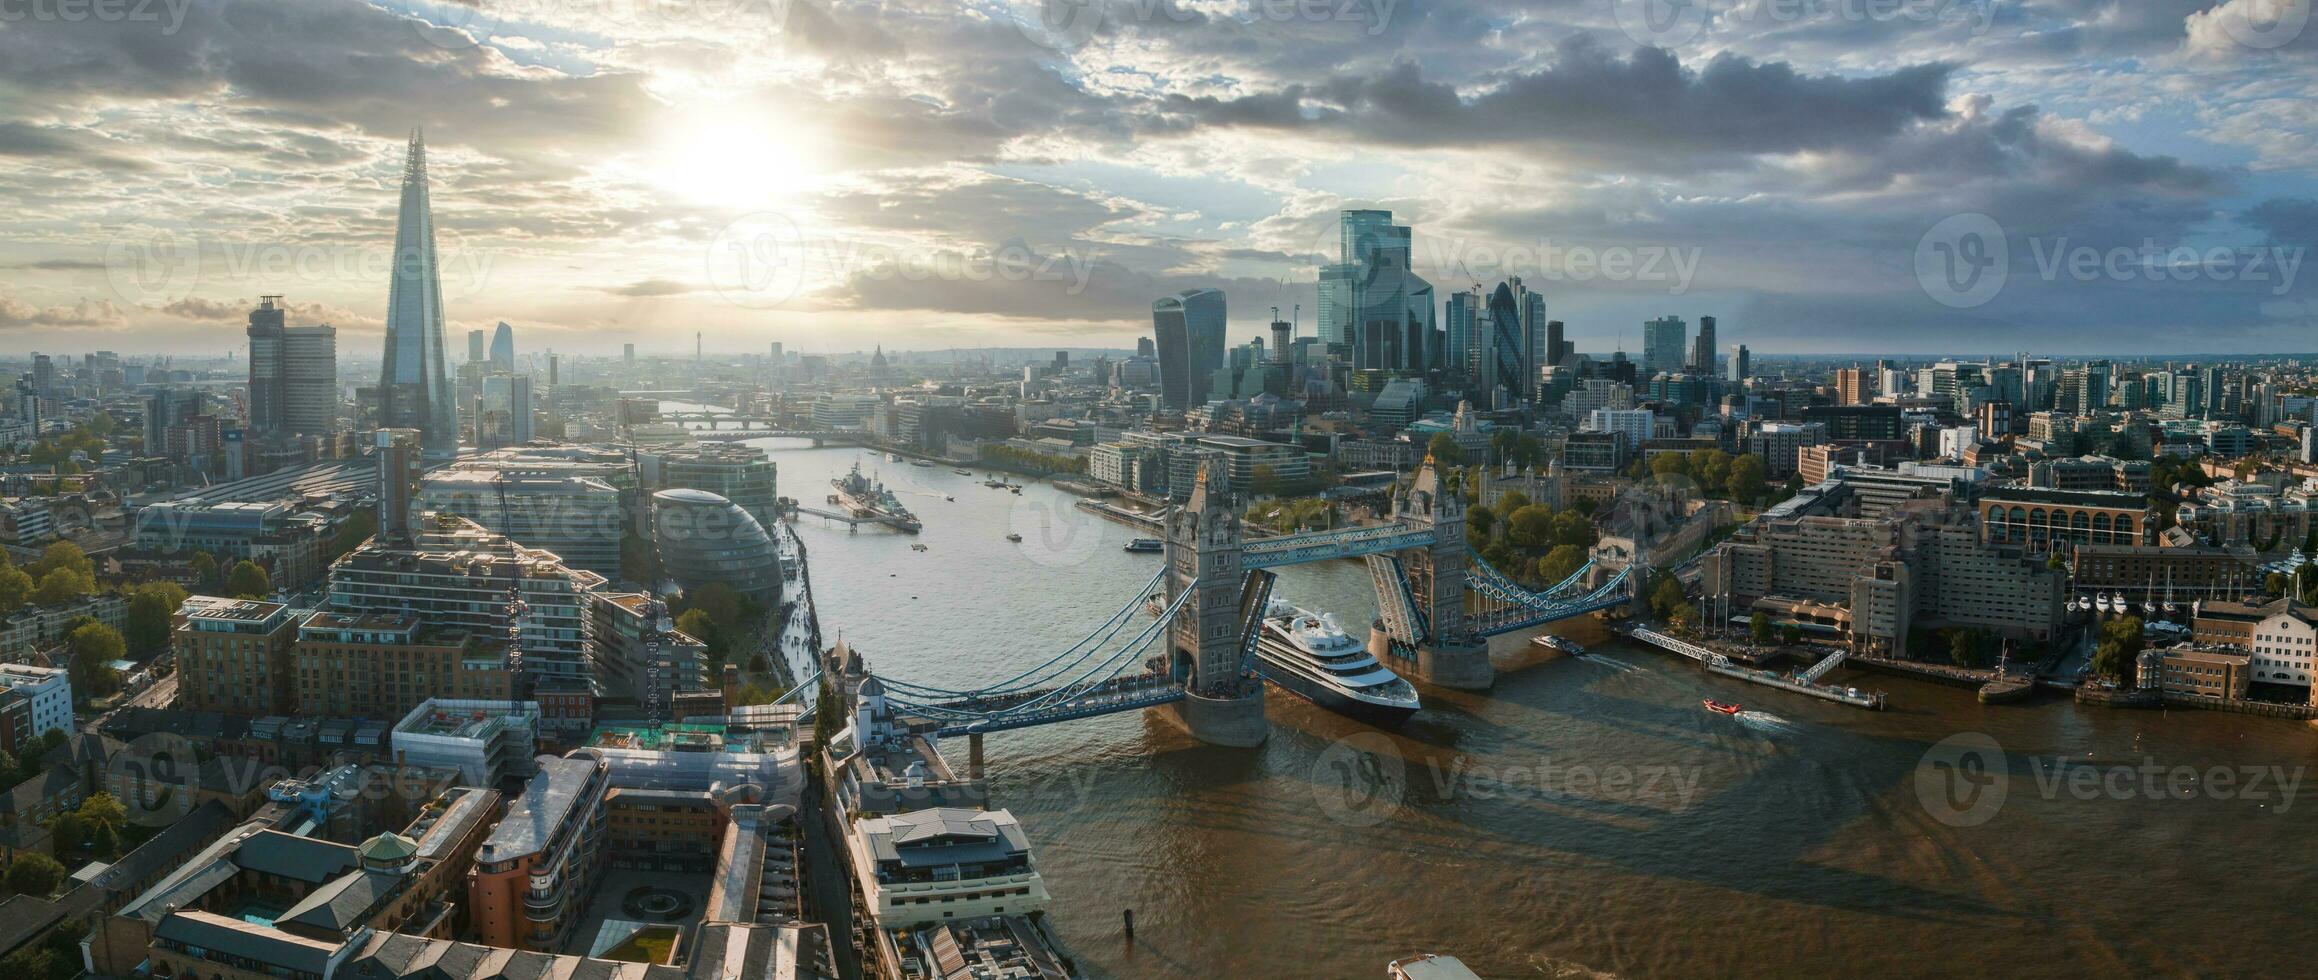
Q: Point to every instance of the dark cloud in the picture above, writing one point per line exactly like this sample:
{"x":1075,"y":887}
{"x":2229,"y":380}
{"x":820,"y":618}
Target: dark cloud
{"x":1804,"y":156}
{"x":1644,"y":110}
{"x":2289,"y":221}
{"x":349,"y":63}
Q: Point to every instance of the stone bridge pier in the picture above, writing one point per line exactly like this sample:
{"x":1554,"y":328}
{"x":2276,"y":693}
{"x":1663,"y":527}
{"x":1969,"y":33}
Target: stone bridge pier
{"x":1223,"y":700}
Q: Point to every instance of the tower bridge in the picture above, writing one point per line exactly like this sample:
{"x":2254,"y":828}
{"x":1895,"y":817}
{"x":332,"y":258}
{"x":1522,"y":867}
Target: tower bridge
{"x":1437,"y":603}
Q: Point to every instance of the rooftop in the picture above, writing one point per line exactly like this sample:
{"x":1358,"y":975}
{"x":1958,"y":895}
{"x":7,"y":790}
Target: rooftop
{"x":2078,"y":498}
{"x":685,"y":495}
{"x":202,"y":608}
{"x":545,"y":804}
{"x":246,"y":940}
{"x":462,"y":718}
{"x":943,"y":835}
{"x":369,"y":622}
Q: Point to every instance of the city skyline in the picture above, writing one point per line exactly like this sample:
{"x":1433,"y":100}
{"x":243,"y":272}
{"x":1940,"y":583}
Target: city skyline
{"x":1746,"y":166}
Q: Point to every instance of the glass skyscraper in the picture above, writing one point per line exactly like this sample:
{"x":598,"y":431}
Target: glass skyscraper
{"x":1188,"y":330}
{"x":1373,"y":301}
{"x":1663,"y":345}
{"x":1509,"y":361}
{"x":503,"y":347}
{"x":414,"y":385}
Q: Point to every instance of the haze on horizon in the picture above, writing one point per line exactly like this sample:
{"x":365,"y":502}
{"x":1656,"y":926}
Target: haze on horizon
{"x":926,"y":174}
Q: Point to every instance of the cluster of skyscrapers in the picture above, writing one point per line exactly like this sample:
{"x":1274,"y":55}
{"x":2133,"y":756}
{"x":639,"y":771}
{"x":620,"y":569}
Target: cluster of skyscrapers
{"x":1377,"y":315}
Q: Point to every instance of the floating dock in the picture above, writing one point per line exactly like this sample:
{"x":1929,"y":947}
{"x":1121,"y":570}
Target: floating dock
{"x":1807,"y":685}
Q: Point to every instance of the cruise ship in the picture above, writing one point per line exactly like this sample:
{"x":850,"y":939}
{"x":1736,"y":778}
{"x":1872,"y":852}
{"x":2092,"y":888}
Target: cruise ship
{"x":866,"y":497}
{"x":1306,"y":654}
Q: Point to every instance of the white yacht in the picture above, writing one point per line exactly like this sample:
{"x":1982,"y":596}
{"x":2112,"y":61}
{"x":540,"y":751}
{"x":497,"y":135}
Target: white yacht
{"x":1308,"y":655}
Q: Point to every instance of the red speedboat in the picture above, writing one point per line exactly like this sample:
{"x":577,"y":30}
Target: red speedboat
{"x":1723,"y":707}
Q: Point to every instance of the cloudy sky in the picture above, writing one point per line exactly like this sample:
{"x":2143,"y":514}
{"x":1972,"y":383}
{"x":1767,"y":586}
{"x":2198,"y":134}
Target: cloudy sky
{"x":1902,"y":176}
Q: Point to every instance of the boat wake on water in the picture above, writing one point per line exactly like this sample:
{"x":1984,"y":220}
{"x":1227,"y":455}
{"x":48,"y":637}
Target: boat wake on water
{"x":1613,"y":664}
{"x":1764,"y":721}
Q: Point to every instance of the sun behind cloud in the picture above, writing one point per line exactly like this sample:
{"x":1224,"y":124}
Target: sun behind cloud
{"x":731,"y":157}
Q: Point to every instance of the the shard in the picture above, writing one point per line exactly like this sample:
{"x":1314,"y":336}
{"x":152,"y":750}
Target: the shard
{"x":414,"y":385}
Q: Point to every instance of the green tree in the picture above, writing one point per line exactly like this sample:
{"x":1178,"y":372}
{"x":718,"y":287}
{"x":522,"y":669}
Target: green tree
{"x":1970,"y":647}
{"x":2274,"y":583}
{"x":1745,"y":482}
{"x":67,"y":835}
{"x":756,"y":692}
{"x":1478,"y":519}
{"x":2116,"y":654}
{"x":1531,"y":527}
{"x":102,"y":818}
{"x":1711,"y":468}
{"x":62,"y":585}
{"x":1513,"y":500}
{"x":35,"y":874}
{"x":1572,"y":528}
{"x":1265,"y":481}
{"x":1560,"y":563}
{"x":1668,"y":595}
{"x":32,"y":962}
{"x":248,"y":581}
{"x":151,"y":607}
{"x":205,"y":570}
{"x":1759,"y":627}
{"x":101,"y":807}
{"x":1669,"y":467}
{"x":1444,"y":450}
{"x":722,"y":604}
{"x":94,"y":647}
{"x":1791,"y":634}
{"x":65,"y":555}
{"x":696,"y":624}
{"x":16,"y":588}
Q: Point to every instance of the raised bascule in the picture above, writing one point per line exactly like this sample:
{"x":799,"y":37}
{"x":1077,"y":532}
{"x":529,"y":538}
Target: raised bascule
{"x":1438,"y":605}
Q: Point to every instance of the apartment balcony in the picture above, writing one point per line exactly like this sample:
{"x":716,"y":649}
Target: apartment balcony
{"x":542,"y":908}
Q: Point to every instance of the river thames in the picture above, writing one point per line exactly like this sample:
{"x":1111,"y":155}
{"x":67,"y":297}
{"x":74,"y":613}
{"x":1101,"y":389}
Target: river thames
{"x":1586,"y":817}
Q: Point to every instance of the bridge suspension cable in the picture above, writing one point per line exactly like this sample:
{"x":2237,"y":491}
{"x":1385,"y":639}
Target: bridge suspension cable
{"x":1040,"y":674}
{"x":1083,"y":683}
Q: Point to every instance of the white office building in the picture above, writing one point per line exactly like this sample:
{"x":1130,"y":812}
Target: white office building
{"x":944,"y":863}
{"x":46,"y":692}
{"x":1632,"y":425}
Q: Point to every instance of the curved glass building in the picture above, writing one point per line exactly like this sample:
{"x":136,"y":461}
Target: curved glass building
{"x":705,"y":538}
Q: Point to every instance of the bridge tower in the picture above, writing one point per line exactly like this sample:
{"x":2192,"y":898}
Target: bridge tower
{"x":1224,"y":699}
{"x":1450,"y":655}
